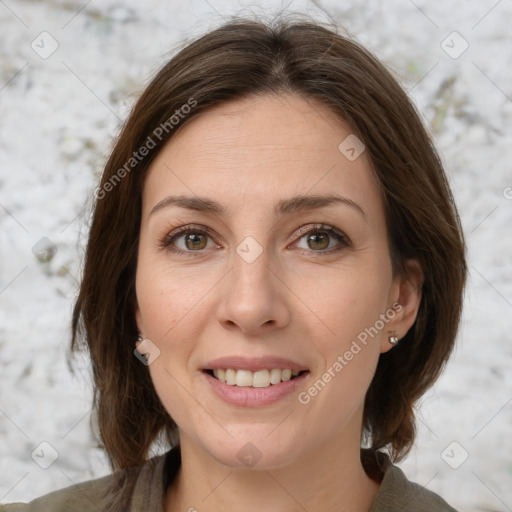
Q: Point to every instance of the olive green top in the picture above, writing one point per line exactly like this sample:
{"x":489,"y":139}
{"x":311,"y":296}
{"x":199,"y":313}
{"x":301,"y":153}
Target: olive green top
{"x":144,"y":491}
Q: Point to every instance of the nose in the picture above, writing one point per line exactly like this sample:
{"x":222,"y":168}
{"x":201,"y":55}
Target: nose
{"x":253,"y":298}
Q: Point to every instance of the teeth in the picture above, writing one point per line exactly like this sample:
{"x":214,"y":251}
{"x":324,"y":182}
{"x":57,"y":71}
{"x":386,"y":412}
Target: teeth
{"x":231,"y":377}
{"x":275,"y":376}
{"x":243,"y":378}
{"x":259,"y":379}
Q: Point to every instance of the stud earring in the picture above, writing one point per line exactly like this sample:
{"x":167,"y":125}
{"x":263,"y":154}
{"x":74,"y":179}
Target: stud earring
{"x":139,"y":337}
{"x":393,"y":338}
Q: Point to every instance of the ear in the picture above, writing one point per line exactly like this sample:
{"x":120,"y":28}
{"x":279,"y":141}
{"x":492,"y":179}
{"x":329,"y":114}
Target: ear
{"x":406,"y":294}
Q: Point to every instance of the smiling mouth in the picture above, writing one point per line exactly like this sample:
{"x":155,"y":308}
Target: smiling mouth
{"x":259,"y":379}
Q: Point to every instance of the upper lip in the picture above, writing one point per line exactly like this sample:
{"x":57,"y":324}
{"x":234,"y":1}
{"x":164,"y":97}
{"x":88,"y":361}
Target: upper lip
{"x":254,"y":364}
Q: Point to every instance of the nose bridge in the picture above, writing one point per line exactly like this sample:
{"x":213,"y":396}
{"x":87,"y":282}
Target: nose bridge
{"x":251,"y":278}
{"x":252,"y":296}
{"x":250,"y":270}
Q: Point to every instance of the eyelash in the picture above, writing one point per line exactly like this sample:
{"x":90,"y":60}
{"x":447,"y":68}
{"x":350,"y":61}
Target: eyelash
{"x":167,"y":241}
{"x":343,"y":241}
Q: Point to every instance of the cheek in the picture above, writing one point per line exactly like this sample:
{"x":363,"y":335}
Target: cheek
{"x":346,"y":302}
{"x":349,"y":356}
{"x":173,"y":315}
{"x":168,"y":298}
{"x":348,"y":307}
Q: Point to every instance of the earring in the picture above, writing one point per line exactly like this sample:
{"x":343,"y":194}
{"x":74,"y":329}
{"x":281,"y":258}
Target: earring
{"x":393,"y":338}
{"x":139,"y":337}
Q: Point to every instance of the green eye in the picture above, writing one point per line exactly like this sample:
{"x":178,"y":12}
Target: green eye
{"x":318,"y":241}
{"x":196,"y":241}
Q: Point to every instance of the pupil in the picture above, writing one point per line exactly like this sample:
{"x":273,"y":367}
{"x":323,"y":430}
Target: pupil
{"x":318,"y":241}
{"x":194,"y":241}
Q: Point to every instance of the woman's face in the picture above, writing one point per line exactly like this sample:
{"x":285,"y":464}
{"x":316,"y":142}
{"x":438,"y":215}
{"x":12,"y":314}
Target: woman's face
{"x":264,"y":282}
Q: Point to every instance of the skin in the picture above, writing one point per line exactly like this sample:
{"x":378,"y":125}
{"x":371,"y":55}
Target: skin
{"x":297,"y":300}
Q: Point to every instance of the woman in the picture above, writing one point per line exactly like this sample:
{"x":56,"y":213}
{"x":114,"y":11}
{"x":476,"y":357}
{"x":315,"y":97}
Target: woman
{"x":274,"y":277}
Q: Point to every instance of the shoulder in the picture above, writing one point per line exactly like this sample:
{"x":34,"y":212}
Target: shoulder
{"x":83,"y":497}
{"x":398,"y":493}
{"x":128,"y":489}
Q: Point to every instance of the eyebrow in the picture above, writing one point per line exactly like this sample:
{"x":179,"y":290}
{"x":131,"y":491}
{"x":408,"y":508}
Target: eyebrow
{"x":284,"y":207}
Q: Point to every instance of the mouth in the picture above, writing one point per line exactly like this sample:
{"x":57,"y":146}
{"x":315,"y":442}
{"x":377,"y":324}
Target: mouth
{"x":263,"y":378}
{"x":254,"y":381}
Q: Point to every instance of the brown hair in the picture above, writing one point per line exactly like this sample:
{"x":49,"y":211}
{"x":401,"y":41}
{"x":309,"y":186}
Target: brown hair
{"x":246,"y":57}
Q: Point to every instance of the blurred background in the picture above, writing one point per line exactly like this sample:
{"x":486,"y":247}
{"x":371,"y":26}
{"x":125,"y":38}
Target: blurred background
{"x":69,"y":73}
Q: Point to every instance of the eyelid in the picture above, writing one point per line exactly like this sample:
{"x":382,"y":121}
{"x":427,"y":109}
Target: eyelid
{"x":190,"y":227}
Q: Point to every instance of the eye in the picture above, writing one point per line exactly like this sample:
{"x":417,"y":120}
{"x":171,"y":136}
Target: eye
{"x":321,"y":238}
{"x":189,"y":239}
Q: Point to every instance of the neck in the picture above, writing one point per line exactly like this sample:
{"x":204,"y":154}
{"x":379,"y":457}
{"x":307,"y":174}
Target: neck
{"x":330,"y":478}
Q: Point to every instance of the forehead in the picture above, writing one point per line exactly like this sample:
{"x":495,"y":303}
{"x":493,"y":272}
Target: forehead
{"x":254,"y":152}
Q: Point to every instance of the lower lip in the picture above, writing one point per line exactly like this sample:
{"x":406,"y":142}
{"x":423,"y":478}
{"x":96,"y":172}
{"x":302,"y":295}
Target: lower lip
{"x":253,"y":397}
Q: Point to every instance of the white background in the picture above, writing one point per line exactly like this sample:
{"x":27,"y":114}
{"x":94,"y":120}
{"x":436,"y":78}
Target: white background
{"x":57,"y":119}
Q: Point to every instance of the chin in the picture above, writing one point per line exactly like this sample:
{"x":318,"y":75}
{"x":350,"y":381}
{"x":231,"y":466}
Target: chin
{"x":252,"y":451}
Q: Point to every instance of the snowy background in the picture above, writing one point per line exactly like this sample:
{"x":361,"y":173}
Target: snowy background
{"x":58,"y":114}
